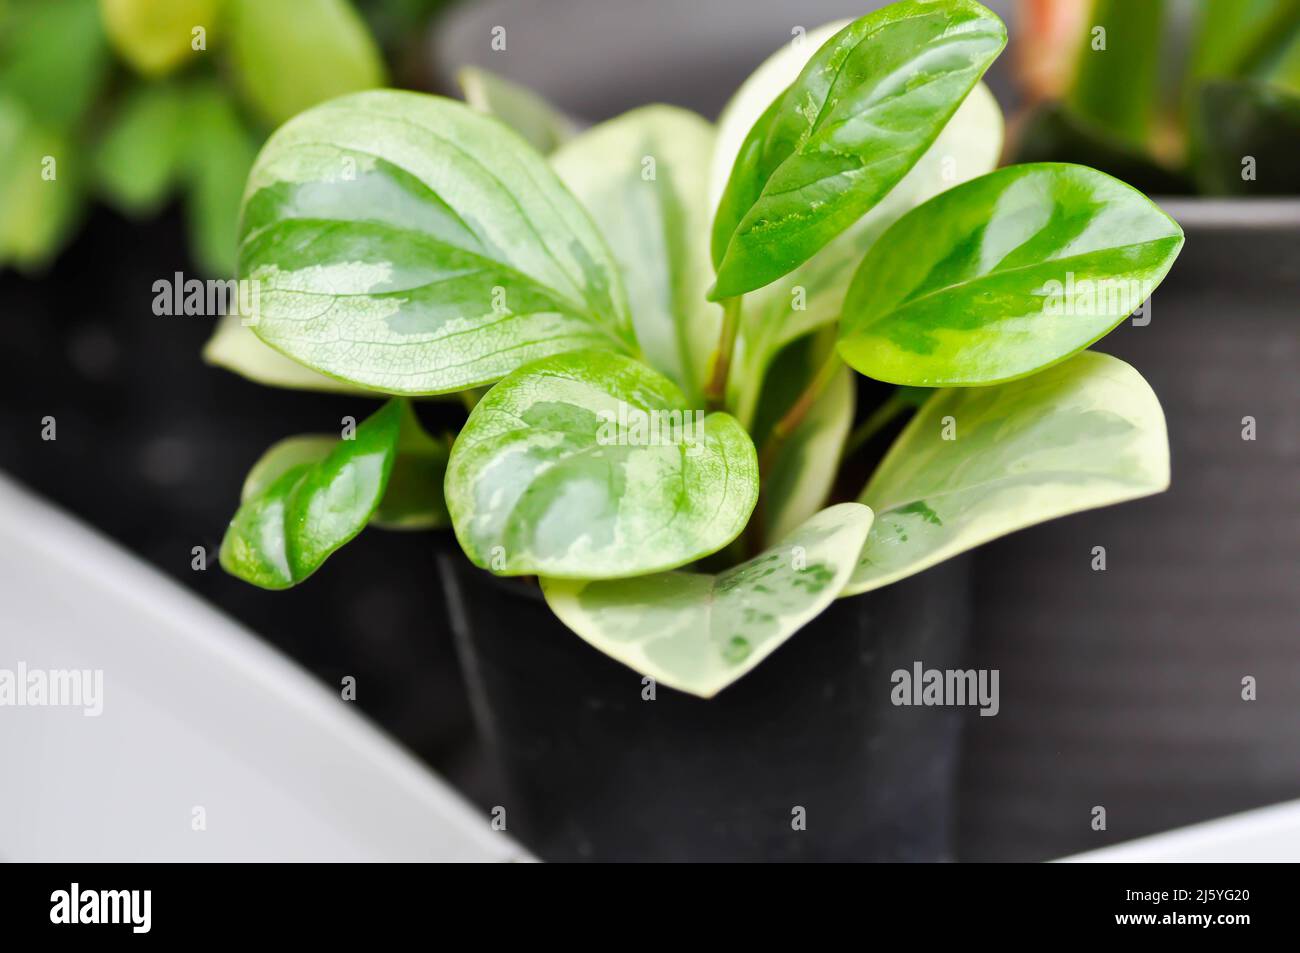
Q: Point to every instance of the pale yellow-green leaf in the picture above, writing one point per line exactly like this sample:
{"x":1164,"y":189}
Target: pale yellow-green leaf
{"x":292,"y":54}
{"x":697,"y":632}
{"x":40,"y":189}
{"x":541,"y":124}
{"x":643,"y":178}
{"x":156,"y":36}
{"x":976,"y":463}
{"x":235,"y":347}
{"x":805,"y":470}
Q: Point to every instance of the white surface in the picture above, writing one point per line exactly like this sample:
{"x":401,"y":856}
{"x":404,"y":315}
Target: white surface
{"x":196,"y":713}
{"x":1267,"y":835}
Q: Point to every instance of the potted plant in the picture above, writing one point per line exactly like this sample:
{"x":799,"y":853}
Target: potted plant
{"x":657,"y":330}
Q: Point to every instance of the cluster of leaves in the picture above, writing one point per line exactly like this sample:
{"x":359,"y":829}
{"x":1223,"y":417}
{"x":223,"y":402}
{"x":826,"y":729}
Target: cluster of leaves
{"x":1219,"y":113}
{"x":133,"y":101}
{"x":843,"y":215}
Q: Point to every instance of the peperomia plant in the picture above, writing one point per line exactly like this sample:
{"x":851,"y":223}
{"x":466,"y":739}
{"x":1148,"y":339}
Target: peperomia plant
{"x":666,"y":316}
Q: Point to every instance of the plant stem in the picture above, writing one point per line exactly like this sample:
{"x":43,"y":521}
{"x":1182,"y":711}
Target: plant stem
{"x":471,"y":397}
{"x":879,"y":419}
{"x":787,"y":425}
{"x":715,"y":392}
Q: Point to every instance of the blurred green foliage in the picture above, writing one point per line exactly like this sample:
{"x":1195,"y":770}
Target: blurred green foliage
{"x":1217,"y":115}
{"x":135,"y":103}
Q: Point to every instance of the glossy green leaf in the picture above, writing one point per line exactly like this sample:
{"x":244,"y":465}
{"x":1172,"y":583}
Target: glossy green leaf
{"x":590,"y":465}
{"x":750,"y":100}
{"x":219,"y":154}
{"x":53,"y":60}
{"x":157,"y":36}
{"x":698,"y":633}
{"x":813,"y":294}
{"x":413,"y":496}
{"x":644,"y":178}
{"x":978,"y":463}
{"x":291,"y":453}
{"x":1003,"y":276}
{"x":1117,"y":70}
{"x":140,"y":158}
{"x":408,"y":244}
{"x":864,"y":109}
{"x":300,"y":508}
{"x":289,"y":55}
{"x":543,"y":126}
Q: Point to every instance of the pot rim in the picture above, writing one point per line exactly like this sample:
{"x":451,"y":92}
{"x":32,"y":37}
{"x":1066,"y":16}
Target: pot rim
{"x":1203,"y":213}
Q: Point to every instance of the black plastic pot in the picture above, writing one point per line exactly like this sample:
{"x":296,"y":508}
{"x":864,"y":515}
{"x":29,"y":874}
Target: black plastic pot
{"x":591,"y":770}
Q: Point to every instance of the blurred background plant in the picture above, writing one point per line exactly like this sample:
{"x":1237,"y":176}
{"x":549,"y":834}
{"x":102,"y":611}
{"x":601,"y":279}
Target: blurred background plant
{"x":1171,"y":95}
{"x":134,"y":103}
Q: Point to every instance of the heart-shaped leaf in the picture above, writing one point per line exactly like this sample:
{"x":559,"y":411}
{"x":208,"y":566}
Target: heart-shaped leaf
{"x":864,"y":109}
{"x":698,"y":633}
{"x":978,"y":463}
{"x":644,"y":178}
{"x":411,"y":245}
{"x":543,"y":126}
{"x":304,"y":500}
{"x":1003,"y":276}
{"x":590,"y":465}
